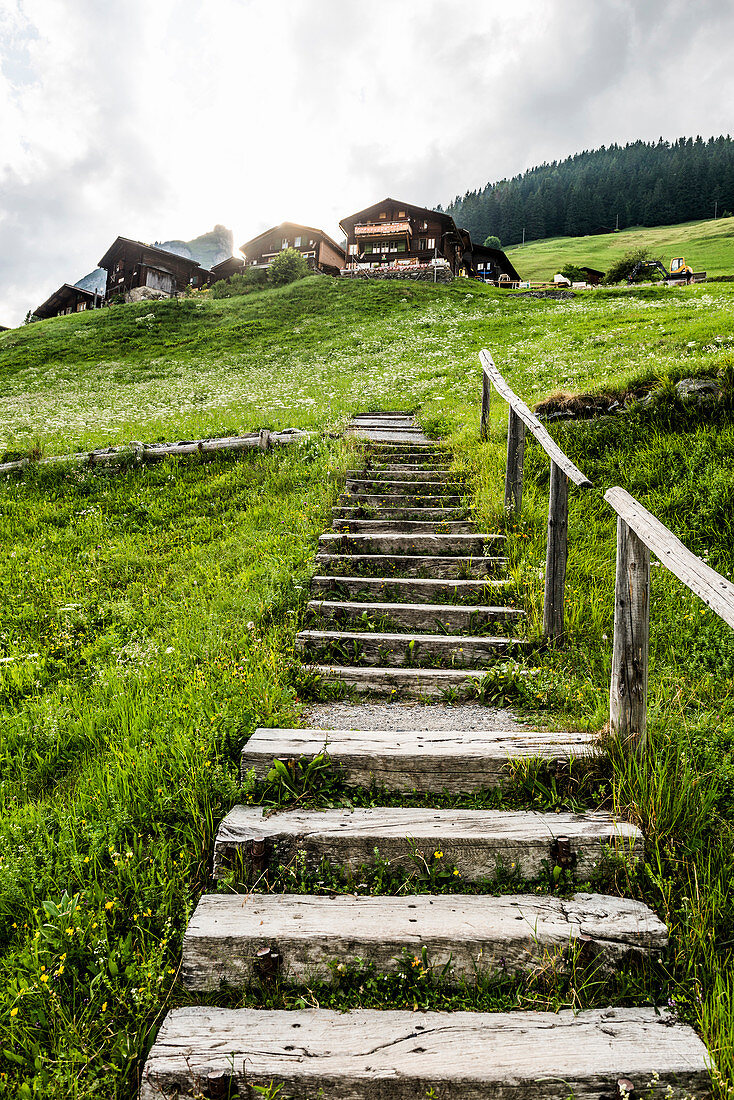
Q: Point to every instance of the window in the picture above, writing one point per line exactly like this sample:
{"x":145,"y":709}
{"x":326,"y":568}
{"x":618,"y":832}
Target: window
{"x":285,"y":242}
{"x":311,"y":244}
{"x":297,"y":242}
{"x":383,"y":216}
{"x":401,"y":213}
{"x":352,"y":250}
{"x":431,"y":242}
{"x":421,"y":244}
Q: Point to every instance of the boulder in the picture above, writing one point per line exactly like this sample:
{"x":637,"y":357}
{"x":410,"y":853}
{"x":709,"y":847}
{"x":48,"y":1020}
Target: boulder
{"x":698,"y":391}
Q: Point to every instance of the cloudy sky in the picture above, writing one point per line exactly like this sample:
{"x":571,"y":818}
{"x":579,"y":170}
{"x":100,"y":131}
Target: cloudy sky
{"x":155,"y":119}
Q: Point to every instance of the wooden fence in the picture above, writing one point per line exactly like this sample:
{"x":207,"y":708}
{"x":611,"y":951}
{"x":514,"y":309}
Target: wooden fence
{"x":638,"y":534}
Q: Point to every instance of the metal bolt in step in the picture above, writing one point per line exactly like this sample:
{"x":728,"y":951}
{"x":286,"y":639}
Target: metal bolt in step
{"x":219,"y":1086}
{"x":258,"y":855}
{"x":267,"y":963}
{"x":561,"y":853}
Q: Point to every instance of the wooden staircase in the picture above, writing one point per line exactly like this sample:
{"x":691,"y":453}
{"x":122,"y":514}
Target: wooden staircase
{"x":413,"y":597}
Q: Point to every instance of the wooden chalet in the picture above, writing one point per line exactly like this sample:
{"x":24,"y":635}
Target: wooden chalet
{"x":133,"y":265}
{"x":489,"y":265}
{"x":397,"y":234}
{"x":593,"y":275}
{"x":68,"y":299}
{"x":322,"y":253}
{"x":233,"y":265}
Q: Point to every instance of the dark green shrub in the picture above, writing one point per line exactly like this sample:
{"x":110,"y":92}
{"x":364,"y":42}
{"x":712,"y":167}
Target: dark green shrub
{"x":288,"y":266}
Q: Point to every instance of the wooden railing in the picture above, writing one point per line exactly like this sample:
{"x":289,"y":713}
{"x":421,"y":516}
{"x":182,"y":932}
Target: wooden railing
{"x":638,"y":534}
{"x":562,"y":469}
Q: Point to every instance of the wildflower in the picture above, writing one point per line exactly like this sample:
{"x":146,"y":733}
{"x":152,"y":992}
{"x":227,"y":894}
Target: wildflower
{"x":438,"y":855}
{"x":14,"y":1012}
{"x":108,"y":904}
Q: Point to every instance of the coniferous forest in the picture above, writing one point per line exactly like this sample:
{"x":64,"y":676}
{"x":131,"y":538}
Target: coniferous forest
{"x":644,"y":183}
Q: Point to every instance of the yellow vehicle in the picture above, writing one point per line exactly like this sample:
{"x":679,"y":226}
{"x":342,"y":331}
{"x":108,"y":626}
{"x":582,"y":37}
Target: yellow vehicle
{"x":679,"y":271}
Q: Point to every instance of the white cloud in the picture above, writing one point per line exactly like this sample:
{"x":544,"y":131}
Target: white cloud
{"x":156,"y":120}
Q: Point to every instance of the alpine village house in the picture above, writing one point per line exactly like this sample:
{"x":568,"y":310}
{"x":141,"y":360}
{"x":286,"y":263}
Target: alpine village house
{"x":318,"y":249}
{"x":388,"y":240}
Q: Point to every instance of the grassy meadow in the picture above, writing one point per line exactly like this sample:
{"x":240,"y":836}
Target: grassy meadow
{"x":148,"y":618}
{"x":707,"y":246}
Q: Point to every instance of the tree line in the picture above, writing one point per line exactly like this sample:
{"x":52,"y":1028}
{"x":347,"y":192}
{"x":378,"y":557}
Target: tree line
{"x":642,"y":183}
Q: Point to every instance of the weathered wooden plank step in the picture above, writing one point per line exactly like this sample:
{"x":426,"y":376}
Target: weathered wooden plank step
{"x":458,"y":761}
{"x":355,"y":512}
{"x":392,"y":649}
{"x":465,"y":545}
{"x":400,"y":474}
{"x":411,"y":565}
{"x":419,"y":459}
{"x":386,"y":420}
{"x":420,"y":616}
{"x":468,"y":934}
{"x":386,"y":485}
{"x":387,"y":435}
{"x":414,"y":589}
{"x":368,"y":1054}
{"x":403,"y":683}
{"x":402,"y":500}
{"x":477,"y":843}
{"x":405,"y":526}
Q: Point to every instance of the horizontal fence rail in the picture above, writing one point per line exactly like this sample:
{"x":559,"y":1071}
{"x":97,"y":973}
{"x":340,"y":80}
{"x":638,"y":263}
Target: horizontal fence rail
{"x":562,"y":470}
{"x":639,"y":533}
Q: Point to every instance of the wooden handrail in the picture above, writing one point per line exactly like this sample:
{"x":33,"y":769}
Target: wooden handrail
{"x":715,"y":591}
{"x":638,"y":534}
{"x":531,"y":421}
{"x":562,"y":470}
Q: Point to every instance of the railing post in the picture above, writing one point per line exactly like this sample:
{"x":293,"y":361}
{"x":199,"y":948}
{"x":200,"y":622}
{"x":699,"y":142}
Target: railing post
{"x":555,"y":562}
{"x":486,"y":394}
{"x":628,"y":689}
{"x":515,"y":457}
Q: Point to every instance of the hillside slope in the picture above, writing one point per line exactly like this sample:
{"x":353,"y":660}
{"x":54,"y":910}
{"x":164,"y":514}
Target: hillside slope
{"x":311,"y":354}
{"x":707,"y":246}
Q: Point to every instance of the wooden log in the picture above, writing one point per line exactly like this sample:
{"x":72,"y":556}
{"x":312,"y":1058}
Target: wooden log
{"x":467,"y":934}
{"x":369,"y":1054}
{"x":557,"y":552}
{"x":476,"y":842}
{"x":403,"y":683}
{"x":628,"y":688}
{"x":715,"y":591}
{"x":457,"y":761}
{"x":531,"y":421}
{"x":515,"y":458}
{"x":486,"y":399}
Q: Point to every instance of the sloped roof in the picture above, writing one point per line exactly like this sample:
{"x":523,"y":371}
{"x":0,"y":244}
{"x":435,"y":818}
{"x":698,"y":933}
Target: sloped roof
{"x":57,"y":299}
{"x":290,"y":226}
{"x":416,"y":211}
{"x":109,"y":255}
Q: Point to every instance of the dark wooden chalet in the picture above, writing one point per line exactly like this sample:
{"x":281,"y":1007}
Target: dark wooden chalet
{"x":593,"y":276}
{"x":131,"y":265}
{"x":490,"y":265}
{"x":397,"y":234}
{"x":233,"y":265}
{"x":321,"y":252}
{"x":68,"y":299}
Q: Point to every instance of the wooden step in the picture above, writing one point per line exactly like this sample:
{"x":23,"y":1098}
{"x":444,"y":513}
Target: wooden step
{"x":355,"y":512}
{"x":411,"y":565}
{"x":458,"y":761}
{"x":466,"y":934}
{"x":412,"y":589}
{"x":368,"y":1054}
{"x":464,"y":545}
{"x":399,"y":485}
{"x":371,"y":647}
{"x":402,"y":436}
{"x":477,"y":843}
{"x":404,"y":683}
{"x":400,"y":474}
{"x":405,"y":526}
{"x":417,"y":616}
{"x":401,"y":500}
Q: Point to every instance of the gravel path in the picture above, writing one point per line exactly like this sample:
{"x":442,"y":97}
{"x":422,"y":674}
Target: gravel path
{"x":409,"y":716}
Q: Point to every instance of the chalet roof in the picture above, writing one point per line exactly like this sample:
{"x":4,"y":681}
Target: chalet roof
{"x":591,"y":270}
{"x":57,"y":299}
{"x":288,"y":226}
{"x":416,"y":211}
{"x":497,"y":256}
{"x":229,"y":262}
{"x":109,"y":256}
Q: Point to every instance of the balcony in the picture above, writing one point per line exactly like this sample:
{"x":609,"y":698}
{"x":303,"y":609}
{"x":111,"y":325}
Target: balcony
{"x":370,"y":230}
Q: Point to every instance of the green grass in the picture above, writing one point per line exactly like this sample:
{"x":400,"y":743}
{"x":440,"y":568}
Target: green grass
{"x":706,"y":245}
{"x":151,"y":615}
